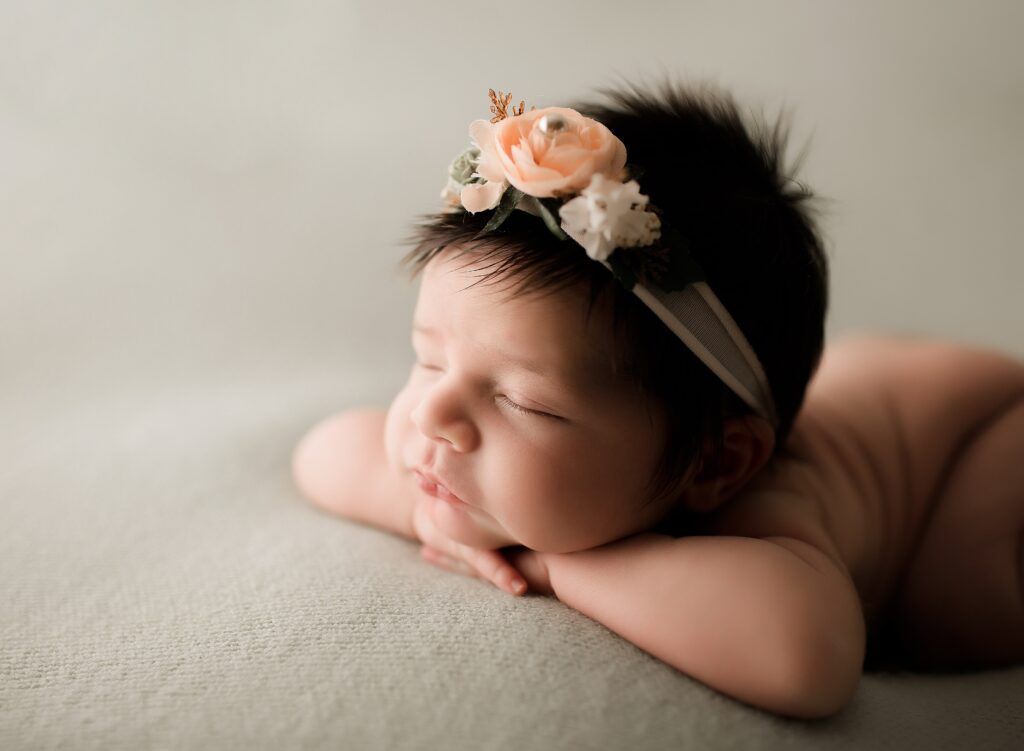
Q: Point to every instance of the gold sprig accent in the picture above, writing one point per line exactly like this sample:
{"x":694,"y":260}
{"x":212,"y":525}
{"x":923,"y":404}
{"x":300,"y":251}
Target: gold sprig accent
{"x":499,"y":105}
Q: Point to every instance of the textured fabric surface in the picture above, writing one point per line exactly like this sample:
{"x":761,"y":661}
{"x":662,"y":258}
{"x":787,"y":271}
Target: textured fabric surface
{"x":165,"y":587}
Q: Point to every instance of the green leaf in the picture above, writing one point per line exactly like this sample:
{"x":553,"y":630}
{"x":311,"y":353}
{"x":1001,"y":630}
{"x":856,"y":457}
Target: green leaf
{"x":549,"y":213}
{"x":506,"y":205}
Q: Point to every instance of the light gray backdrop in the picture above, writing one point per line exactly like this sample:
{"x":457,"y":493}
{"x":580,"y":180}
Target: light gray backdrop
{"x":263,"y":160}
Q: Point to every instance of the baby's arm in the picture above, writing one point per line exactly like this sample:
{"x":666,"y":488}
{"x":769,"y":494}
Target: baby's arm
{"x":340,"y":465}
{"x":773,"y":622}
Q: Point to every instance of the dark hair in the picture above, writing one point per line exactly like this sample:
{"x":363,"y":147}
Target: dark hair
{"x":720,"y":181}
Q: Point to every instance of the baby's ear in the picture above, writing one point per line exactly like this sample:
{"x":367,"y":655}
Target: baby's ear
{"x":747,"y":446}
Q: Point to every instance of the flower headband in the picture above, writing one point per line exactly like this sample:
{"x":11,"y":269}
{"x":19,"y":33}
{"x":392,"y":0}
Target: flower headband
{"x":571,"y":171}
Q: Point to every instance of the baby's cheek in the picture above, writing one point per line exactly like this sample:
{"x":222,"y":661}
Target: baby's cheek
{"x":533,"y":503}
{"x":396,"y":428}
{"x":581,"y":510}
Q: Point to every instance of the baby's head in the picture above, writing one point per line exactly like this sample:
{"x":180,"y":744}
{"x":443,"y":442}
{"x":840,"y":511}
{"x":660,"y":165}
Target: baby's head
{"x":552,"y":401}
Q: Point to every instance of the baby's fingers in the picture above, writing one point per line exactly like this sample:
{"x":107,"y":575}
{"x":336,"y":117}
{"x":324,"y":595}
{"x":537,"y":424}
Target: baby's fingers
{"x":445,"y":561}
{"x":483,"y":564}
{"x":493,"y":567}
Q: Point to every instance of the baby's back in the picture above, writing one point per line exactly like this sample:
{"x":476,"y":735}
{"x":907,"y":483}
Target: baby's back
{"x":906,"y":464}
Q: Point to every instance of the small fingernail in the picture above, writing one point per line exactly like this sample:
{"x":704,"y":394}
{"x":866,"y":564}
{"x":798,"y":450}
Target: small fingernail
{"x":518,"y":587}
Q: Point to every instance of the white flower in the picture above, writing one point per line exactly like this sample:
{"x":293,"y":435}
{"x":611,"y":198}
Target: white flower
{"x":477,"y":197}
{"x":466,"y":188}
{"x":451,"y":195}
{"x":607,"y":215}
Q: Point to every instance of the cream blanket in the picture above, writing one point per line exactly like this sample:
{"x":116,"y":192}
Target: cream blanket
{"x":165,"y":587}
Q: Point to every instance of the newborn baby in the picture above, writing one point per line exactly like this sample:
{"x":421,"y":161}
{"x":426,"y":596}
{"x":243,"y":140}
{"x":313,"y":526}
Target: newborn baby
{"x":753,"y":509}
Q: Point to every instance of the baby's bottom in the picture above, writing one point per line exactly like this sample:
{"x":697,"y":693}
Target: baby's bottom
{"x":962,"y":601}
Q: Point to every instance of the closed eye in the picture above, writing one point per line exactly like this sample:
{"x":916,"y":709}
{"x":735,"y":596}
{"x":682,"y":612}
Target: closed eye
{"x":525,"y":410}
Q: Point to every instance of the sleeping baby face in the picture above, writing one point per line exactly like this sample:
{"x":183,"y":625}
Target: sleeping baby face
{"x":512,"y":423}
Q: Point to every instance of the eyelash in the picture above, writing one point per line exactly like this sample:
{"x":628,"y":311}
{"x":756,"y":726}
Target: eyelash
{"x":519,"y":408}
{"x":504,"y":399}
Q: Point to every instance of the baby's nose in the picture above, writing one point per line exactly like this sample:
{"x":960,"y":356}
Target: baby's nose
{"x":439,"y":422}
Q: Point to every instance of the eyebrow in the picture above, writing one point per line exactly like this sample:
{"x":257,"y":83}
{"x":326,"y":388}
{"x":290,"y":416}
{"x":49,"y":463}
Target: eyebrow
{"x":526,"y":363}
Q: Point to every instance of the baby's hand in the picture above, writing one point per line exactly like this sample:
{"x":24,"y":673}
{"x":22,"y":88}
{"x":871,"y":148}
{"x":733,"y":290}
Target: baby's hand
{"x":442,"y":551}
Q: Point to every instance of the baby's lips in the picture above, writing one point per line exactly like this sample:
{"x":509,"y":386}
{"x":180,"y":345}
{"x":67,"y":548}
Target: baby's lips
{"x":446,"y":494}
{"x":427,"y":485}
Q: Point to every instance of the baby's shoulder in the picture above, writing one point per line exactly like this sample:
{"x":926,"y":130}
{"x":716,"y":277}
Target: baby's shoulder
{"x":881,"y":417}
{"x":889,"y":411}
{"x":842,"y":454}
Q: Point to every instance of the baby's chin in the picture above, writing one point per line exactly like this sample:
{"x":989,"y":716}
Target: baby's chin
{"x":470,"y":527}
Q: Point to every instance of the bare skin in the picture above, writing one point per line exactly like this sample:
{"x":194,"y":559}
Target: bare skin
{"x":907,"y":457}
{"x":892,"y":514}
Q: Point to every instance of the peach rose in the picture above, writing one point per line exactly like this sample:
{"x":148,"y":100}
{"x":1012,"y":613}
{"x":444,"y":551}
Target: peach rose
{"x":516,"y":151}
